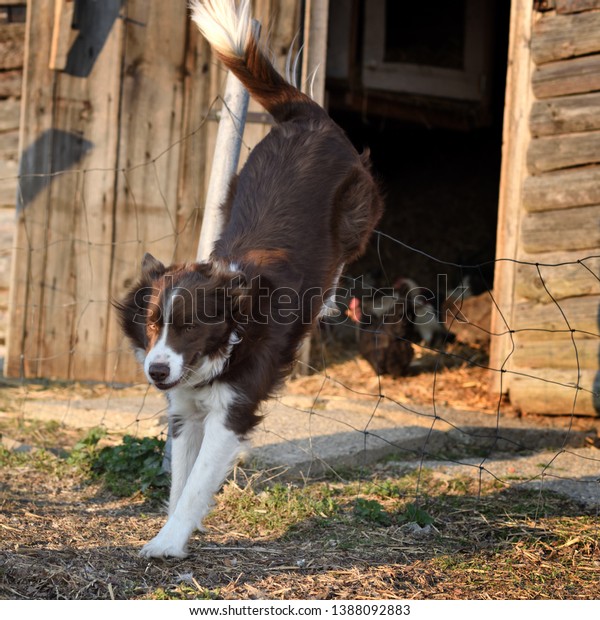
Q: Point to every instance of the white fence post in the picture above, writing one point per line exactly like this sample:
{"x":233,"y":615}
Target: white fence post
{"x":225,"y":162}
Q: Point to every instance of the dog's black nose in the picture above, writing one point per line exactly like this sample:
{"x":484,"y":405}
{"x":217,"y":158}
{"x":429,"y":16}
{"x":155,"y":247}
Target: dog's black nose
{"x":159,"y":372}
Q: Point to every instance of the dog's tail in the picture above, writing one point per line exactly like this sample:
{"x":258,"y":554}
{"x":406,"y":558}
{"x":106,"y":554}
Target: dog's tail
{"x":227,"y":26}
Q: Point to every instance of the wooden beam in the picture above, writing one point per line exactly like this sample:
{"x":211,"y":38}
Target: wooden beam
{"x":564,"y":151}
{"x":556,"y":37}
{"x":575,"y":229}
{"x":538,"y":321}
{"x":556,"y":353}
{"x":574,"y":6}
{"x":560,"y":115}
{"x":63,"y":34}
{"x":562,"y":189}
{"x":552,"y":391}
{"x":570,"y":279}
{"x":567,"y":77}
{"x":512,"y":176}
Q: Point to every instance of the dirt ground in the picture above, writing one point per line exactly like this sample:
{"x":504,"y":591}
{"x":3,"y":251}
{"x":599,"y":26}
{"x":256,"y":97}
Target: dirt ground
{"x":64,"y":538}
{"x":64,"y":535}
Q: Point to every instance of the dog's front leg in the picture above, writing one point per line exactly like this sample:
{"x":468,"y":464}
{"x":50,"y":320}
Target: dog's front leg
{"x":187,"y":439}
{"x":219,"y":451}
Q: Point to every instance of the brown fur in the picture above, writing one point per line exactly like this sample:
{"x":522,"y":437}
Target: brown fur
{"x":304,"y":204}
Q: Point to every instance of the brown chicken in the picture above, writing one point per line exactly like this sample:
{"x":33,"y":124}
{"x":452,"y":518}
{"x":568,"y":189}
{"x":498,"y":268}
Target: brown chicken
{"x":382,"y":339}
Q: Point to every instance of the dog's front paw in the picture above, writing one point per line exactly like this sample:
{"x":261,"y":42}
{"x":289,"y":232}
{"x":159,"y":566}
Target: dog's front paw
{"x":158,"y":549}
{"x":164,"y":546}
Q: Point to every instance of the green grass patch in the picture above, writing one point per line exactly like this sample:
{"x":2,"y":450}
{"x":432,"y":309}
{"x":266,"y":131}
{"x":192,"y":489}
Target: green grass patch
{"x":135,"y":465}
{"x":371,"y":511}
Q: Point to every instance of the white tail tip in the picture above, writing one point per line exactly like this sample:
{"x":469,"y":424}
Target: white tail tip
{"x":224,"y":23}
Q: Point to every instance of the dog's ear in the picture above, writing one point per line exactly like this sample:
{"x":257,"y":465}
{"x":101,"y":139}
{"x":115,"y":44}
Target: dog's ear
{"x":205,"y":269}
{"x":152,"y":268}
{"x":131,"y":312}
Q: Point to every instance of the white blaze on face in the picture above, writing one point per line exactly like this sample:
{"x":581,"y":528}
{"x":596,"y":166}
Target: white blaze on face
{"x":162,"y":353}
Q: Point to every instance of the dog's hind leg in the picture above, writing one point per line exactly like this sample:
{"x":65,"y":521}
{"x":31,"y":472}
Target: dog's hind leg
{"x":218,"y":453}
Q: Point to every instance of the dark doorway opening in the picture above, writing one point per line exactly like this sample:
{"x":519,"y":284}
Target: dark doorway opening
{"x":439,"y":163}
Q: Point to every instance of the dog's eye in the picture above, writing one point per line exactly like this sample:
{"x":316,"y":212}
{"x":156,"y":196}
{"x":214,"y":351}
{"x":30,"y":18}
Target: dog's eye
{"x":190,"y":328}
{"x":152,"y":328}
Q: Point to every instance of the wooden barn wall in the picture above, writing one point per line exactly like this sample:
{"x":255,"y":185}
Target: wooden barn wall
{"x":12,"y":48}
{"x":115,"y":153}
{"x":557,"y":219}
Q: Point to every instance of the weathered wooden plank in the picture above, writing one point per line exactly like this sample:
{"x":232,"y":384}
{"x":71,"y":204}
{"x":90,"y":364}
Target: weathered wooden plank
{"x":557,"y":37}
{"x":557,"y":353}
{"x":553,"y":391}
{"x":12,"y":46}
{"x":192,"y":179}
{"x":89,"y":106}
{"x":10,"y":83}
{"x":567,"y":77}
{"x":562,"y":115}
{"x":27,"y":291}
{"x":149,"y":154}
{"x":9,"y":151}
{"x":562,"y":189}
{"x":575,"y":6}
{"x":10,"y":110}
{"x":60,"y":285}
{"x":63,"y":34}
{"x":9,"y":169}
{"x":9,"y":144}
{"x":572,"y":229}
{"x":539,"y":321}
{"x":565,"y":151}
{"x":512,"y":175}
{"x":567,"y":280}
{"x":85,"y":113}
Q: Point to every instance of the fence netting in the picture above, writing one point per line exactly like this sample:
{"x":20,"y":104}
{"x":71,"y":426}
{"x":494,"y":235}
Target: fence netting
{"x":388,"y":386}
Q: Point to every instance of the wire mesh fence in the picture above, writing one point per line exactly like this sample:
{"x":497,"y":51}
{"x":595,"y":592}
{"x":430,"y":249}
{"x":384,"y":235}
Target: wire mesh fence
{"x":446,"y":409}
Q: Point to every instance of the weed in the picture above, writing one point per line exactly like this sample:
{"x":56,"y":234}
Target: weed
{"x":414,"y":514}
{"x":184,"y":591}
{"x":39,"y":459}
{"x":134,"y":465}
{"x":372,"y":511}
{"x":86,"y":449}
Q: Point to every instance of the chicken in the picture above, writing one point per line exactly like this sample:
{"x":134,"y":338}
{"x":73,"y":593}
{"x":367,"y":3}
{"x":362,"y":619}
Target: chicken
{"x":382,"y":339}
{"x":421,"y":314}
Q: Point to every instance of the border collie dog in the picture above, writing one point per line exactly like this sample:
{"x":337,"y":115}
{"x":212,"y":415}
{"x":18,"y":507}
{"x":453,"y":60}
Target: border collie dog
{"x":219,"y":336}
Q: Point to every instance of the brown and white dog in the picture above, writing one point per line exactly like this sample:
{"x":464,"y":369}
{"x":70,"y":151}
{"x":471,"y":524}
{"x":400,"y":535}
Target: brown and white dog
{"x":218,"y":337}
